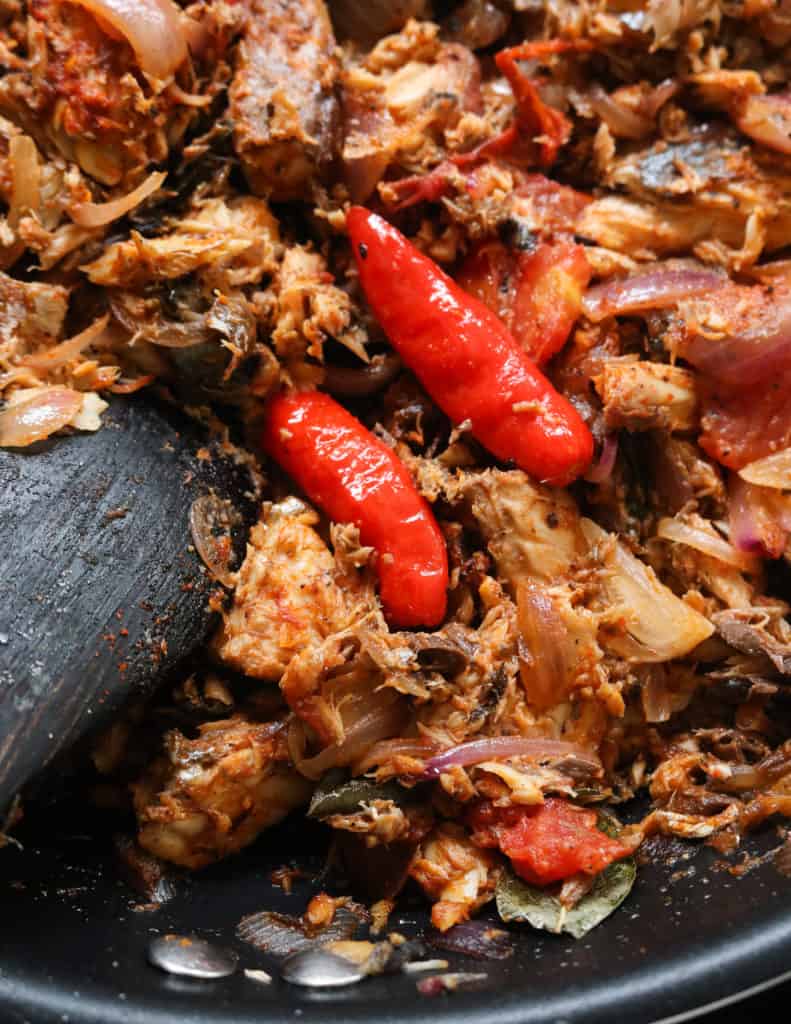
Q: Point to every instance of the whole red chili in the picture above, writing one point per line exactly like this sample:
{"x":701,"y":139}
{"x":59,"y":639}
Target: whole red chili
{"x":465,"y":357}
{"x":355,"y":478}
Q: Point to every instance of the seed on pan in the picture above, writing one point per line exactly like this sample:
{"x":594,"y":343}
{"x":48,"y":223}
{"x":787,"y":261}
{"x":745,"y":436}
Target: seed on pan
{"x":191,"y":957}
{"x":316,"y":968}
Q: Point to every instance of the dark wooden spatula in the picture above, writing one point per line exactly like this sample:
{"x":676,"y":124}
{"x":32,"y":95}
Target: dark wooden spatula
{"x":101,"y":590}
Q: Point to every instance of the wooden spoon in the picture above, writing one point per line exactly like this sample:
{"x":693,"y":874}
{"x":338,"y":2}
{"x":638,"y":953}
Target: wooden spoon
{"x":102,"y":589}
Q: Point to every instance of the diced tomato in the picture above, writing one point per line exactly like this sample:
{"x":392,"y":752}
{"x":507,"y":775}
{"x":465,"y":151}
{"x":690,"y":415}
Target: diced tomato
{"x":554,"y":207}
{"x":547,"y":842}
{"x":536,"y":293}
{"x":745,"y":426}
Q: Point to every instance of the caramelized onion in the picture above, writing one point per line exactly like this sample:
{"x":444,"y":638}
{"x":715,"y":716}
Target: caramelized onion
{"x":25,"y":196}
{"x":379,"y":723}
{"x":38,"y":416}
{"x":96,"y":215}
{"x":501,"y":748}
{"x":69,"y":349}
{"x":682,"y":532}
{"x":366,"y":22}
{"x":153,"y":28}
{"x":665,"y":691}
{"x":360,"y":381}
{"x":656,"y":288}
{"x":772,"y":471}
{"x":653,"y":624}
{"x":546,"y":651}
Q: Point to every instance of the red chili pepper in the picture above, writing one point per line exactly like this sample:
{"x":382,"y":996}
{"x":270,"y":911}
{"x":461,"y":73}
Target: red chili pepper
{"x":546,"y":842}
{"x":355,"y":478}
{"x":465,"y":357}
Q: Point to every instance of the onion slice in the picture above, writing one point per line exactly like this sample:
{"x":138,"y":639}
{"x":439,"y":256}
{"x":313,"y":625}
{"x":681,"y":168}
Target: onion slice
{"x":38,"y":416}
{"x":380,"y":723}
{"x":759,"y":518}
{"x":772,"y":471}
{"x":601,"y":471}
{"x":682,"y":532}
{"x":25,"y":177}
{"x":622,"y":122}
{"x":767,"y":119}
{"x":211,"y":522}
{"x":501,"y":748}
{"x":153,"y":28}
{"x":656,"y":288}
{"x":96,"y":215}
{"x":758,"y":352}
{"x":653,"y":624}
{"x":69,"y":349}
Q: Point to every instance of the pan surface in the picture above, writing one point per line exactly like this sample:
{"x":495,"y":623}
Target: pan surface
{"x":73,"y":941}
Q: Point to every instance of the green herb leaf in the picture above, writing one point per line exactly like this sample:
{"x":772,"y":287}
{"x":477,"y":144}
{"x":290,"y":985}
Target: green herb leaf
{"x":518,"y":901}
{"x":608,"y":824}
{"x":334,"y":795}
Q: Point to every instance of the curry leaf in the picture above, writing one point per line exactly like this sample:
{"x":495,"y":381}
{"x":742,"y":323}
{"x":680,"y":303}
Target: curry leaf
{"x":518,"y":901}
{"x":336,"y":795}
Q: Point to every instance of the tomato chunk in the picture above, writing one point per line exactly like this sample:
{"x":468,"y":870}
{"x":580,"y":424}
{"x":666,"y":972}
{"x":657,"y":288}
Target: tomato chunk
{"x":537,"y":293}
{"x":747,"y":425}
{"x":547,"y":842}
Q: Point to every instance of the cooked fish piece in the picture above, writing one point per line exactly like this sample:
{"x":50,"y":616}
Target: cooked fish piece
{"x":707,"y":195}
{"x":405,"y":104}
{"x":82,"y":93}
{"x":309,"y":308}
{"x":644,"y":396}
{"x":30,"y":314}
{"x":456,"y":875}
{"x":288,"y":598}
{"x":206,"y":798}
{"x":531,"y":530}
{"x":234,"y":242}
{"x":283,"y":101}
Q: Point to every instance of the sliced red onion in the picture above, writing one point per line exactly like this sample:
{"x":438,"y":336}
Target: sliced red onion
{"x":622,"y":122}
{"x":682,"y":531}
{"x":153,"y":28}
{"x":651,"y":289}
{"x":500,"y":748}
{"x":601,"y":471}
{"x":760,"y":352}
{"x":479,"y":939}
{"x":756,"y":523}
{"x":38,"y":415}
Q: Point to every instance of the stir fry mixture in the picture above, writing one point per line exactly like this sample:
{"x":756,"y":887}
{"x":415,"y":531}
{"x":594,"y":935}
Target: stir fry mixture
{"x":495,"y":292}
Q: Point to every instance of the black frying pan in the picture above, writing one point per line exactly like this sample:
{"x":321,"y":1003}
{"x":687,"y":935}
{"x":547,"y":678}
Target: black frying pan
{"x":72,"y":948}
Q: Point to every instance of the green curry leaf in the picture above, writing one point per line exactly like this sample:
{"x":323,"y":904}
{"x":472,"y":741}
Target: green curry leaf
{"x":518,"y":901}
{"x":337,"y":795}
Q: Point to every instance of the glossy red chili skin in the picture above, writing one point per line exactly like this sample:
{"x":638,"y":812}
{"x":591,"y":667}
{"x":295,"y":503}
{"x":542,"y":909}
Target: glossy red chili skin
{"x":465,"y":357}
{"x":354,"y":478}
